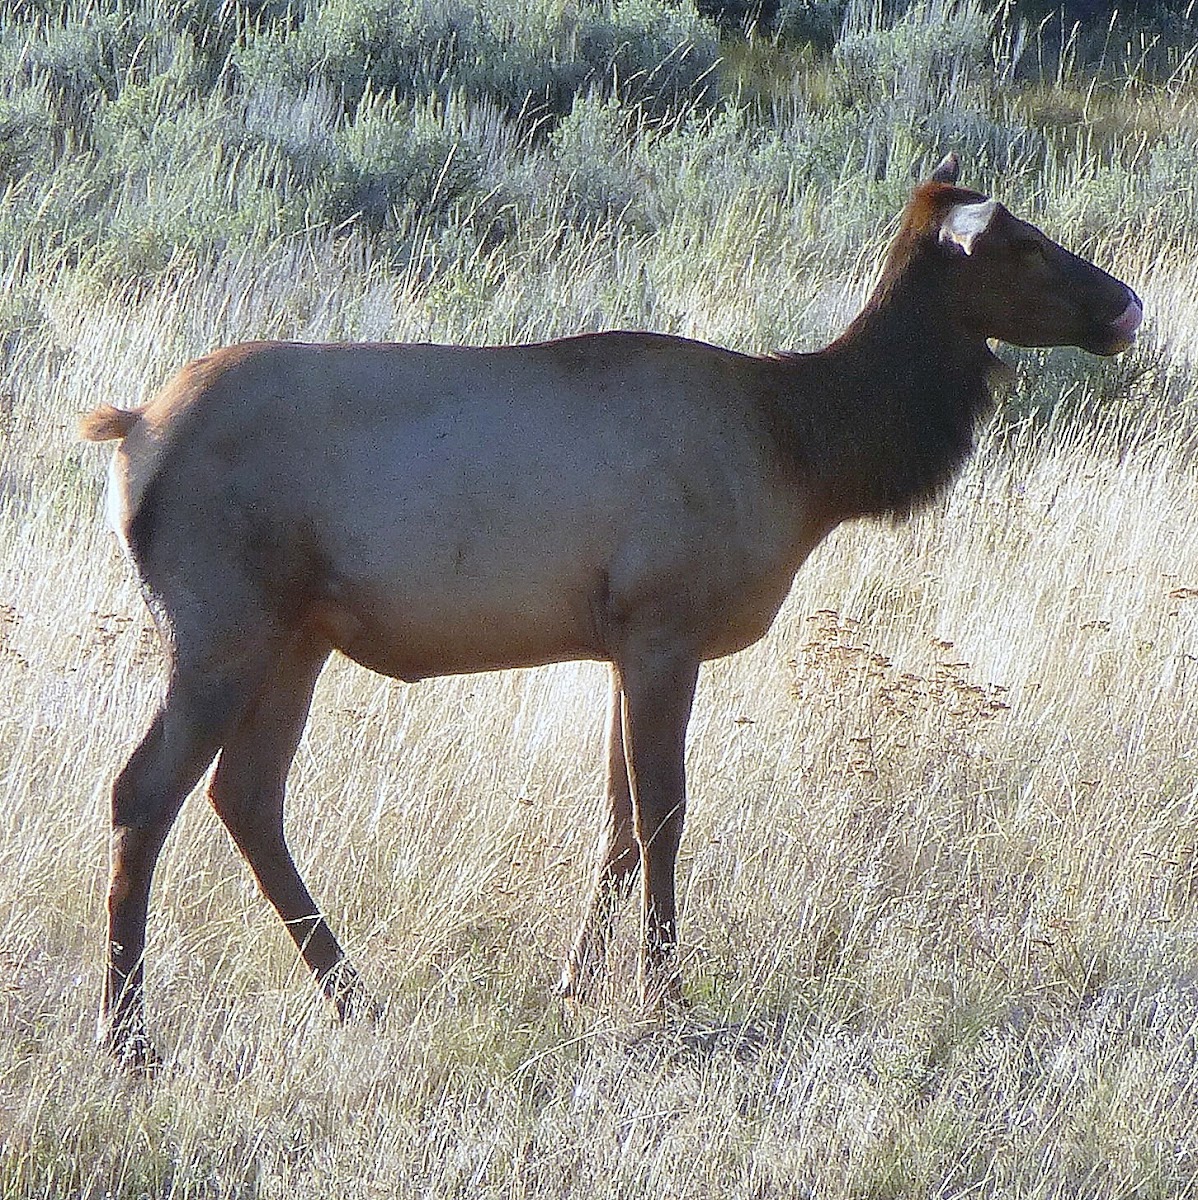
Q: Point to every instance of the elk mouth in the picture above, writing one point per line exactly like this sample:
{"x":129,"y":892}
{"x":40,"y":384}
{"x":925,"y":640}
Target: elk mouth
{"x":1121,"y":332}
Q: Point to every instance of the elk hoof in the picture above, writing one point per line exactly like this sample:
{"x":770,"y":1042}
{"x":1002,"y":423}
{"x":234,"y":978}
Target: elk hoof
{"x":133,"y":1051}
{"x":579,"y":982}
{"x":361,"y":1008}
{"x":661,"y":991}
{"x":345,"y":991}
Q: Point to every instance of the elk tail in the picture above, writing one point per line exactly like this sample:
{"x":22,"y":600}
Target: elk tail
{"x":106,"y":423}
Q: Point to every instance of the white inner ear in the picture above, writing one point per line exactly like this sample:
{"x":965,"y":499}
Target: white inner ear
{"x":964,"y":223}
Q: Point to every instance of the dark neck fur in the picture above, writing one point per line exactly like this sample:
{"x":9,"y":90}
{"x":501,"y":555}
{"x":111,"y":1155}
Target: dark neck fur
{"x":882,"y":420}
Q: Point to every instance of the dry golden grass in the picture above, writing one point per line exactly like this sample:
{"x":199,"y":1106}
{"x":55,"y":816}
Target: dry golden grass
{"x":939,"y":883}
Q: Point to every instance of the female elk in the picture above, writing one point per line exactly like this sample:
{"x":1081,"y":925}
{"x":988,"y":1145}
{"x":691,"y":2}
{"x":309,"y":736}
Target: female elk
{"x":628,"y":497}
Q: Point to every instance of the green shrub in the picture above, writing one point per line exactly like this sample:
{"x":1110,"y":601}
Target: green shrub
{"x":300,"y":125}
{"x":814,"y":22}
{"x":395,"y":160}
{"x":1111,"y":201}
{"x":25,"y":129}
{"x":524,"y":57}
{"x":592,"y":170}
{"x":653,"y":55}
{"x":1169,"y":180}
{"x":926,"y":57}
{"x":77,"y":64}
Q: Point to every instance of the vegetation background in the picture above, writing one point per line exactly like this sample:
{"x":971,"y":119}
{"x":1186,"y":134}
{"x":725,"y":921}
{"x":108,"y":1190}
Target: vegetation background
{"x":940,"y":884}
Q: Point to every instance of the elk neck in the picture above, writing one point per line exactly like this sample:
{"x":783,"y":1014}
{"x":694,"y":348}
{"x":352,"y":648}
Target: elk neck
{"x":881,"y":421}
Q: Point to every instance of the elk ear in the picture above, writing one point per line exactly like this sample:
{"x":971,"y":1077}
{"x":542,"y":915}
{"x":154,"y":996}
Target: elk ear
{"x":947,"y":170}
{"x":963,"y":224}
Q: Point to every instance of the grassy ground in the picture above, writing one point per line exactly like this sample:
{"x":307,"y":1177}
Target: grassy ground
{"x":940,"y":877}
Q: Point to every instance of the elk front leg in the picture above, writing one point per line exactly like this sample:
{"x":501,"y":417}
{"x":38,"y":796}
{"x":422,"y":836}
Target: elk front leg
{"x":658,"y":689}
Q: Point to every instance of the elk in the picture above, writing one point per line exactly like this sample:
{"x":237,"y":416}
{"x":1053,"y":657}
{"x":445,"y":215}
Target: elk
{"x":633,"y":498}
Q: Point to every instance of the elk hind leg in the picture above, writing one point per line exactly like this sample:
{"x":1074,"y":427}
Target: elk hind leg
{"x":146,"y":798}
{"x":247,"y":792}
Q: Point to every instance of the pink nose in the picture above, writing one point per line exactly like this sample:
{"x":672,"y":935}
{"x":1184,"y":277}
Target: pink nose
{"x":1128,"y":321}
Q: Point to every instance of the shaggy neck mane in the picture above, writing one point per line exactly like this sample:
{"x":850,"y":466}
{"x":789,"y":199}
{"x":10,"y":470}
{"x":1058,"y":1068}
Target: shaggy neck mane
{"x":882,"y":420}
